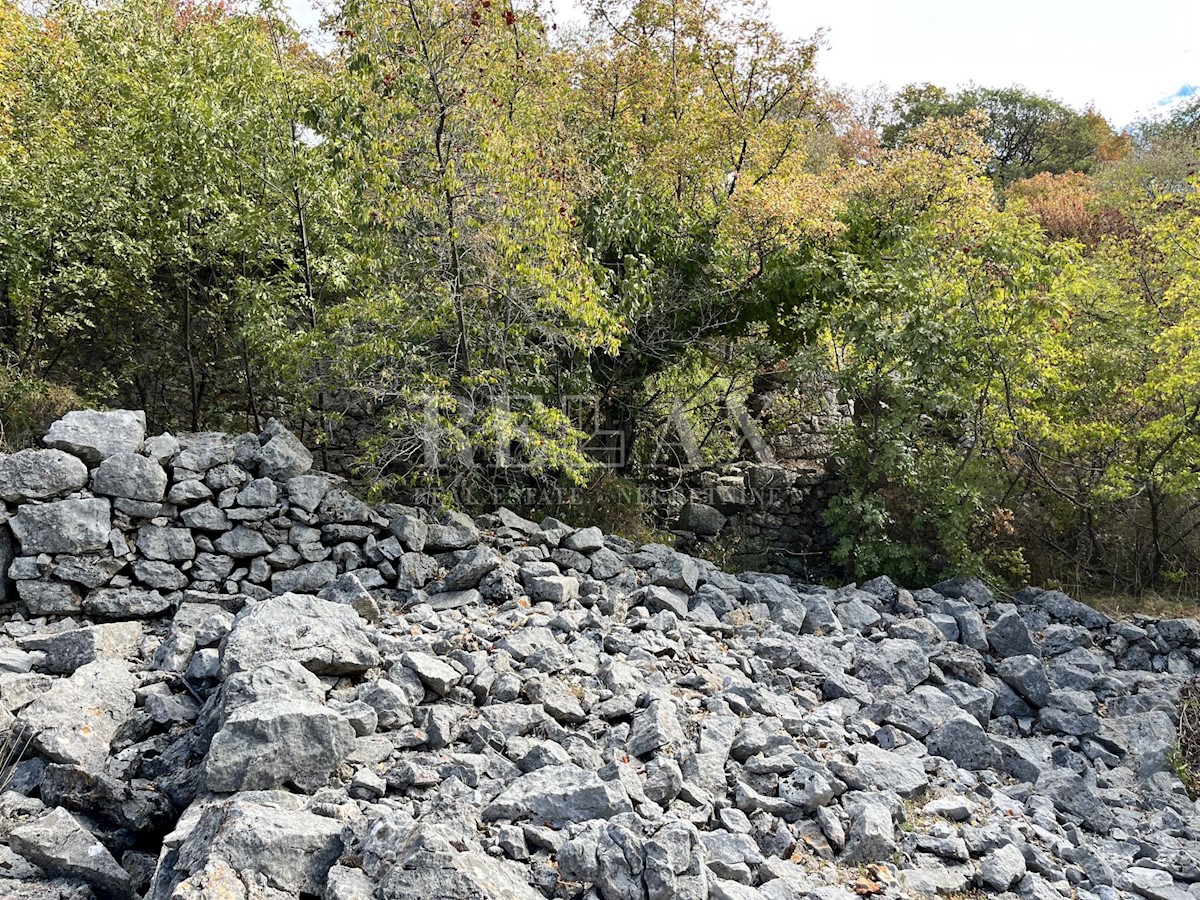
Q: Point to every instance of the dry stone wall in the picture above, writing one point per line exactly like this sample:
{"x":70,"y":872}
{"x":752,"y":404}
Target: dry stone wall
{"x":753,"y":516}
{"x":224,"y":676}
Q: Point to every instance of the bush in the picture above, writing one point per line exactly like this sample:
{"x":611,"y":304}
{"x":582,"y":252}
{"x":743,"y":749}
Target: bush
{"x":27,"y":407}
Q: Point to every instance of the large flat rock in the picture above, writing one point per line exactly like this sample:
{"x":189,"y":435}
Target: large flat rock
{"x":326,"y":638}
{"x":75,"y":721}
{"x":61,"y":846}
{"x":93,"y":435}
{"x":66,"y":526}
{"x":266,"y":836}
{"x":40,"y":475}
{"x":274,"y":743}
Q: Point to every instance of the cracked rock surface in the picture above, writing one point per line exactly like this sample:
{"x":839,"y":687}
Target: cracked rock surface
{"x":224,"y":676}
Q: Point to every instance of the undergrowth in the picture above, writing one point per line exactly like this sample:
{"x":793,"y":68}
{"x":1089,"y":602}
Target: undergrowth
{"x":1185,"y":754}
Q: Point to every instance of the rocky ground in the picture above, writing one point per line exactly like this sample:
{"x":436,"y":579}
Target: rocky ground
{"x":226,"y":677}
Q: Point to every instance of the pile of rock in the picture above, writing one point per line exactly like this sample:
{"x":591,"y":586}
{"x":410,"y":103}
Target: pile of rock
{"x":227,"y":677}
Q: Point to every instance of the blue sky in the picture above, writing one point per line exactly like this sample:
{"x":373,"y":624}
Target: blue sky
{"x":1122,"y":56}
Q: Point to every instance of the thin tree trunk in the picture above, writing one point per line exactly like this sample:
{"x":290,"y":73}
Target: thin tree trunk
{"x":193,"y":383}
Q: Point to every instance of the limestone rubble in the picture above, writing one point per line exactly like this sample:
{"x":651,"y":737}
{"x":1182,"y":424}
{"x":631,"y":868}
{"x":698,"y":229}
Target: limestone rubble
{"x":229,"y":677}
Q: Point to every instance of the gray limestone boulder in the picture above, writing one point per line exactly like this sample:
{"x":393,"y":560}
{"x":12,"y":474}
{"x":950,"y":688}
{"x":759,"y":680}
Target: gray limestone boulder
{"x":90,"y":571}
{"x":159,"y":575}
{"x":656,"y":727}
{"x":1001,"y":869}
{"x":1009,"y":636}
{"x":242,"y":543}
{"x":701,"y":519}
{"x":65,"y":526}
{"x":76,"y":719}
{"x":470,"y":570}
{"x":426,"y":864}
{"x":558,"y":796}
{"x":1068,"y":610}
{"x":40,"y":475}
{"x":1071,"y":794}
{"x":585,"y":540}
{"x":410,"y":531}
{"x":872,"y":835}
{"x":456,"y":531}
{"x":971,"y":590}
{"x":132,"y":476}
{"x":326,"y":638}
{"x":94,"y":436}
{"x":857,"y":616}
{"x":205,"y":451}
{"x":125,"y":603}
{"x":166,"y":544}
{"x":283,"y":456}
{"x":556,"y":699}
{"x":349,"y":590}
{"x":67,"y":651}
{"x":259,"y":493}
{"x":675,"y":570}
{"x":883,"y":770}
{"x":552,"y":588}
{"x":50,"y":598}
{"x":961,"y":739}
{"x":281,"y":679}
{"x":1153,"y":884}
{"x":1026,"y":675}
{"x":307,"y":491}
{"x":263,"y":836}
{"x":206,"y":517}
{"x":971,"y":630}
{"x":393,"y":705}
{"x":818,"y":618}
{"x":894,"y":661}
{"x":342,"y":507}
{"x":186,"y":493}
{"x":304,"y":579}
{"x":162,"y":448}
{"x":435,"y":674}
{"x":275,"y":743}
{"x":63,"y":847}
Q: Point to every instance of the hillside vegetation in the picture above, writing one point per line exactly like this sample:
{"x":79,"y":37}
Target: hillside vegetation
{"x":432,"y":237}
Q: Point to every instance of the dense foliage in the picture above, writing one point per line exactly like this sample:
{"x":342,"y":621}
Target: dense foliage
{"x":1027,"y":133}
{"x":455,"y":242}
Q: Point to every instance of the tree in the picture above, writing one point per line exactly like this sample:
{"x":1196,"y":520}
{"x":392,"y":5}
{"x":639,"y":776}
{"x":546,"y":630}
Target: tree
{"x":696,"y":123}
{"x":479,"y":296}
{"x":149,"y":193}
{"x":925,"y":301}
{"x":1107,"y":427}
{"x":1028,"y":133}
{"x":1164,"y":157}
{"x":1070,"y":206}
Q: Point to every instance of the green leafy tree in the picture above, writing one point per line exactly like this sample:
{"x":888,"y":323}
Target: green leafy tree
{"x":1107,"y":428}
{"x":696,"y":126}
{"x":1028,"y":133}
{"x":155,"y":203}
{"x":923,"y":303}
{"x":479,"y":297}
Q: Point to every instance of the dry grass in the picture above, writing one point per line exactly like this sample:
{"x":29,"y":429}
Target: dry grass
{"x":612,"y":503}
{"x":1185,"y":755}
{"x":1154,"y":605}
{"x":27,"y":407}
{"x":13,"y":744}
